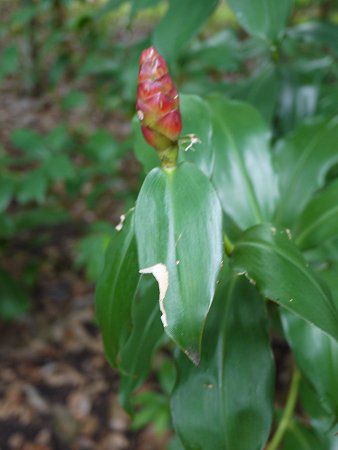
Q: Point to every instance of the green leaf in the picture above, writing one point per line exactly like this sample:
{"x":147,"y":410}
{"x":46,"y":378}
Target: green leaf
{"x":102,"y":147}
{"x":299,"y":437}
{"x":320,"y":418}
{"x":9,"y":61}
{"x":243,"y":174}
{"x":316,"y":33}
{"x":58,"y":167}
{"x":268,"y":257}
{"x":136,"y":356}
{"x":30,"y":141}
{"x":116,"y":289}
{"x":253,"y":90}
{"x":178,"y":223}
{"x":196,"y":120}
{"x":302,"y":161}
{"x":13,"y":300}
{"x":91,"y":251}
{"x":7,"y":186}
{"x":33,"y":187}
{"x":319,"y":220}
{"x":181,"y":22}
{"x":263,"y":18}
{"x":227,"y":401}
{"x":58,"y":139}
{"x":74,"y":99}
{"x":317,"y":356}
{"x":138,"y":5}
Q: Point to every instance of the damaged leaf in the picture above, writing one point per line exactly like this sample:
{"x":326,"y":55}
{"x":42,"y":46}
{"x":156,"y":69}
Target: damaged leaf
{"x":178,"y":223}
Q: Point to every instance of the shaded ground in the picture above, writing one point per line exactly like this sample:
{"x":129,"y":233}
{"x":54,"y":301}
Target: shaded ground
{"x":56,"y":389}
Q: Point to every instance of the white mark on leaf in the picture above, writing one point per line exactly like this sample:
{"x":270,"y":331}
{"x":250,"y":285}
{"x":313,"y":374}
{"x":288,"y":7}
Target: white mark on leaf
{"x":119,"y":226}
{"x":288,"y":232}
{"x":160,"y":272}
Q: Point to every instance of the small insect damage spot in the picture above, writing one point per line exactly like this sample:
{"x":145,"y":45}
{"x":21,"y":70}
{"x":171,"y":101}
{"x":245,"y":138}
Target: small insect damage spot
{"x":119,"y":226}
{"x":161,"y":274}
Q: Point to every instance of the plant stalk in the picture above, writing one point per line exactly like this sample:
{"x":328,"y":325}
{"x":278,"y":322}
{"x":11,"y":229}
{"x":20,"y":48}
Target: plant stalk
{"x":228,"y":245}
{"x":288,"y":411}
{"x":168,"y":157}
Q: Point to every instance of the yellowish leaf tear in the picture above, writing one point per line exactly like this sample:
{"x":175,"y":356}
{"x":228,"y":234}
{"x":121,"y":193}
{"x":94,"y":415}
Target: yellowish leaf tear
{"x":160,"y":272}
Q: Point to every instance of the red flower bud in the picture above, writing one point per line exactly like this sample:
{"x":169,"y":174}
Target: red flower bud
{"x":157,"y":102}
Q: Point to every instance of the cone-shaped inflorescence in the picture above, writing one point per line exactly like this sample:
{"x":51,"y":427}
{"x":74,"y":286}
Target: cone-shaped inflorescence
{"x":157,"y":106}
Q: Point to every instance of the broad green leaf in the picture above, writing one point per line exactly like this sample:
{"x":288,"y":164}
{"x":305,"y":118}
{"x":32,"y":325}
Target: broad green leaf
{"x":178,"y":223}
{"x":253,"y":90}
{"x":135,"y":357}
{"x":175,"y":444}
{"x":181,"y":22}
{"x":243,"y":174}
{"x":299,"y":437}
{"x":268,"y":257}
{"x":319,"y":220}
{"x":196,"y":120}
{"x":330,"y":274}
{"x":317,"y":356}
{"x":302,"y":161}
{"x":116,"y":289}
{"x":226,"y":403}
{"x":138,"y":5}
{"x":263,"y":18}
{"x":13,"y":299}
{"x":320,"y":417}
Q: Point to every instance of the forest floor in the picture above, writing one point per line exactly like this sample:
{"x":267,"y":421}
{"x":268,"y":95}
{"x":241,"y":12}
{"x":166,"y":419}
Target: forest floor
{"x":57,"y":391}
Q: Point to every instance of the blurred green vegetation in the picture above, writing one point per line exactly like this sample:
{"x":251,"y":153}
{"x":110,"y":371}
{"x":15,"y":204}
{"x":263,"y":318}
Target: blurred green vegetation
{"x":79,"y":59}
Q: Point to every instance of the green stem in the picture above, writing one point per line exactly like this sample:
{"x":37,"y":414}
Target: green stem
{"x":288,"y":411}
{"x":228,"y":245}
{"x":168,"y":157}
